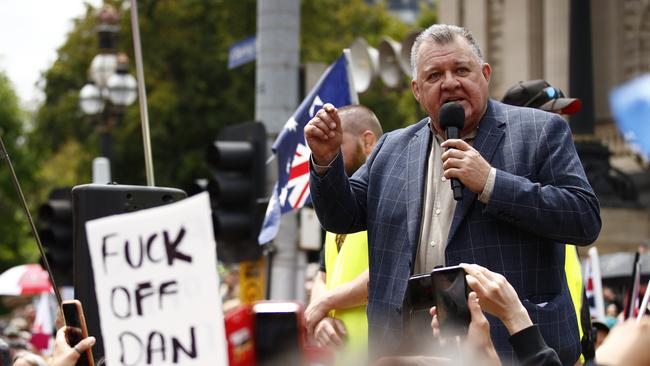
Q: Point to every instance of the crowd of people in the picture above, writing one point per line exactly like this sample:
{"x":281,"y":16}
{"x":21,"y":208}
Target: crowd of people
{"x":18,"y":346}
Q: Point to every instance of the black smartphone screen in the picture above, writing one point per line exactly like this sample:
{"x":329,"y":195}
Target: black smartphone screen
{"x":450,"y":292}
{"x":277,"y":334}
{"x":74,"y":330}
{"x":420,"y":292}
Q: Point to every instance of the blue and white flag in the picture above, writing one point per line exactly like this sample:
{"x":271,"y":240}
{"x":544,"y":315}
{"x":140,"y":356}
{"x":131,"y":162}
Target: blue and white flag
{"x":291,"y":191}
{"x":630,"y":105}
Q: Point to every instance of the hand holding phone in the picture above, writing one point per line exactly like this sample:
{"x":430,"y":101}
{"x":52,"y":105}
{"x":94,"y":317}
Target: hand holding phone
{"x":450,"y":293}
{"x":498,"y":297}
{"x":76,"y":331}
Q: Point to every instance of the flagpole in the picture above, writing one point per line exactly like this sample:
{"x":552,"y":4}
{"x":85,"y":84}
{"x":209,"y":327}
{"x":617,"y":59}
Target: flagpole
{"x":142,"y":94}
{"x":354,"y":97}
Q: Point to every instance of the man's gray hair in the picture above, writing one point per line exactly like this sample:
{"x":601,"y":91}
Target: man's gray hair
{"x":443,"y":34}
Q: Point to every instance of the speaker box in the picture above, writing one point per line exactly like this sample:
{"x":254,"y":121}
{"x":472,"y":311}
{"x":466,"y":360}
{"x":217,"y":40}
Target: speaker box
{"x":93,"y":201}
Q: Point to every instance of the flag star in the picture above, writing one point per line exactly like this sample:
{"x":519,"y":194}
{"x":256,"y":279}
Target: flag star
{"x":291,"y":124}
{"x":316,"y":103}
{"x":288,"y":169}
{"x":283,"y":195}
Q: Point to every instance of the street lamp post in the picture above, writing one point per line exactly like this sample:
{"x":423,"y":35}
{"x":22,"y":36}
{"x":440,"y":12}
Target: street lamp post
{"x":110,"y":88}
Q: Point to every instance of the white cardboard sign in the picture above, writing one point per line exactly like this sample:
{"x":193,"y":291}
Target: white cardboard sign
{"x":157,"y":286}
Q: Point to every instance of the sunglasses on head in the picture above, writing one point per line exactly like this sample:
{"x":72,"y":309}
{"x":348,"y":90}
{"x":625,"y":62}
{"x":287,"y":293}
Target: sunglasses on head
{"x":543,"y":96}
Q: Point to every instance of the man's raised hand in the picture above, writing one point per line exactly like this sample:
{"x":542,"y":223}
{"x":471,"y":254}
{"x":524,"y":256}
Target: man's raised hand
{"x":324,"y":135}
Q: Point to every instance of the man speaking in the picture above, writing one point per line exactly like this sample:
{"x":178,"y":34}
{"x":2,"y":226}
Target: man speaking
{"x":525,"y":194}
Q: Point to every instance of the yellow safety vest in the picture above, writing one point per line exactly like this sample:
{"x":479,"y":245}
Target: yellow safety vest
{"x":344,"y":267}
{"x":573,"y":273}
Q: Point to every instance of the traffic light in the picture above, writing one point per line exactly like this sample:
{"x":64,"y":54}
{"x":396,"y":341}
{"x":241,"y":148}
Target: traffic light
{"x":236,"y":187}
{"x":55,"y":231}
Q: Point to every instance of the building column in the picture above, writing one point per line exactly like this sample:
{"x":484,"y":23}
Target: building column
{"x":522,"y":43}
{"x":556,"y":43}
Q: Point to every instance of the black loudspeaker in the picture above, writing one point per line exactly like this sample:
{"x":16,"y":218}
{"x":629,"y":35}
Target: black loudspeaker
{"x":93,"y":201}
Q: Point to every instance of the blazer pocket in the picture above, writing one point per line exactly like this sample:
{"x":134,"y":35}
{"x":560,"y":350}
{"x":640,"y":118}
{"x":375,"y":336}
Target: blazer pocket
{"x":543,"y":308}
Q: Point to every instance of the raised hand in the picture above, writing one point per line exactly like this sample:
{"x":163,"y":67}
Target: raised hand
{"x":324,"y":135}
{"x":65,"y":355}
{"x":497,"y":297}
{"x":478,"y":343}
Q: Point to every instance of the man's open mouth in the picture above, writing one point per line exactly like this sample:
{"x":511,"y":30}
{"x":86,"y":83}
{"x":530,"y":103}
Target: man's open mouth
{"x":452,"y":99}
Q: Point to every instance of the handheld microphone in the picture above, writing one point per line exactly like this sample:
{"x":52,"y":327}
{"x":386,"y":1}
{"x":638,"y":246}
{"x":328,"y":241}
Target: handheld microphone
{"x":452,"y":120}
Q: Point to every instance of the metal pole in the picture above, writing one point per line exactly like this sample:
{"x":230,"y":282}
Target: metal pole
{"x":276,"y":98}
{"x":107,"y":144}
{"x":14,"y":179}
{"x":142,"y":94}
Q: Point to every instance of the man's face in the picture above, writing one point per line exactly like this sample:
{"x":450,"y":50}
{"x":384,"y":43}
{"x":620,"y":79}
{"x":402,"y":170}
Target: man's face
{"x":451,"y":72}
{"x":353,"y":154}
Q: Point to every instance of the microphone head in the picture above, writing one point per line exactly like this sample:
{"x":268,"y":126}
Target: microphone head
{"x":451,"y":114}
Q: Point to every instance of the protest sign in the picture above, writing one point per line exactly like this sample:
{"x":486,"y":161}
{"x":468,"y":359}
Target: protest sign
{"x":157,"y":286}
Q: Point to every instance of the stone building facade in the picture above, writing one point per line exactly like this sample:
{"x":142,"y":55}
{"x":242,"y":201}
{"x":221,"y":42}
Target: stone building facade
{"x":529,"y":39}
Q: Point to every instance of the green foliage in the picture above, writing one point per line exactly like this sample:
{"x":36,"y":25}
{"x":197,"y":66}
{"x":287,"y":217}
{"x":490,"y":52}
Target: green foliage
{"x":428,"y":15}
{"x":191,"y":94}
{"x":329,"y":26}
{"x":16,"y":245}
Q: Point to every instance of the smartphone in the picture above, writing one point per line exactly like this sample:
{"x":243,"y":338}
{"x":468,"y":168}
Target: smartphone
{"x":450,"y":292}
{"x":76,"y":329}
{"x":420,"y":292}
{"x":419,"y":299}
{"x":279,"y":333}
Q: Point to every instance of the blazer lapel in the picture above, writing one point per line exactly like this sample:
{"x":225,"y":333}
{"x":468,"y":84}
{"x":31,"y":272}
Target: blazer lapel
{"x":416,"y":172}
{"x":488,"y":138}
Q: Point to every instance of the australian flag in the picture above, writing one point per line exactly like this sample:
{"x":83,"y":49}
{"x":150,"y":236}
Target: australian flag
{"x":291,"y":191}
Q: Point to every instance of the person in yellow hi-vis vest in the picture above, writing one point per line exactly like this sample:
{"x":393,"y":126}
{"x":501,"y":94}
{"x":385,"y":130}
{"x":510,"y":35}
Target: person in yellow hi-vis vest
{"x":336,"y":315}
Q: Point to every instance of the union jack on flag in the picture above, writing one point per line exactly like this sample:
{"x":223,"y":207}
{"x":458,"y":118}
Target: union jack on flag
{"x":291,"y":191}
{"x":594,"y":286}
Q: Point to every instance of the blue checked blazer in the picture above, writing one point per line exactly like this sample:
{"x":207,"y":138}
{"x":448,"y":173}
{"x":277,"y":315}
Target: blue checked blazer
{"x":541,"y":200}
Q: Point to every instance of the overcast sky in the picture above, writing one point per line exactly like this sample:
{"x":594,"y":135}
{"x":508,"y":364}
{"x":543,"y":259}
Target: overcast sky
{"x":30,"y":33}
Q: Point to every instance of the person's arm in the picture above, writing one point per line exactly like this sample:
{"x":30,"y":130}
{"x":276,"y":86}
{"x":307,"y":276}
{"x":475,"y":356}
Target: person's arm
{"x":556,"y":201}
{"x":531,"y":349}
{"x":348,"y":295}
{"x":318,"y":287}
{"x":499,"y":298}
{"x":340,"y":202}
